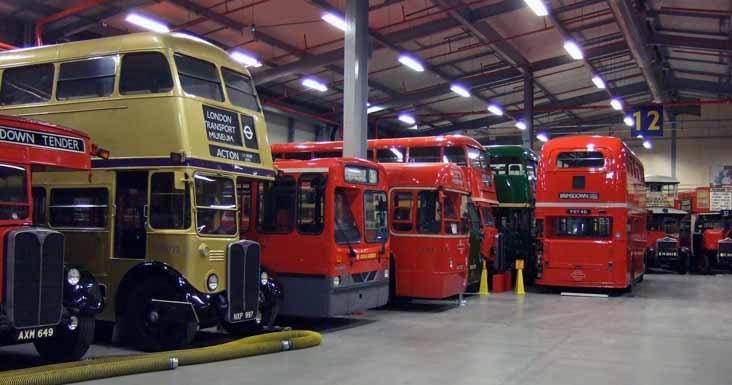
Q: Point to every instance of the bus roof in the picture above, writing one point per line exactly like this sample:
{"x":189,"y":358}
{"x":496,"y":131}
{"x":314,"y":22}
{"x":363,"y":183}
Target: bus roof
{"x":426,"y":175}
{"x":581,"y":141}
{"x":419,"y":141}
{"x":26,"y":141}
{"x":511,"y":150}
{"x":122,"y":43}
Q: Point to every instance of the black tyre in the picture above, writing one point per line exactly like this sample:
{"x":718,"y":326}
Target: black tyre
{"x":68,"y":345}
{"x":151,"y":324}
{"x":265,"y":319}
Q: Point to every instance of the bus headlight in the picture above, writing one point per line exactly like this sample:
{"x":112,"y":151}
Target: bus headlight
{"x":73,"y":276}
{"x":73,"y":323}
{"x":336,"y":281}
{"x":263,"y":277}
{"x":212,"y":282}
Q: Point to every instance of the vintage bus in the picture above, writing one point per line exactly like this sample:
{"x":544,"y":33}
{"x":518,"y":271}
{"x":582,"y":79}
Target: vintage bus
{"x":669,"y":229}
{"x":514,"y":175}
{"x":322,"y":226}
{"x":590,"y":213}
{"x":428,"y":208}
{"x":156,"y":223}
{"x":712,"y":247}
{"x":44,"y":300}
{"x":463,"y":151}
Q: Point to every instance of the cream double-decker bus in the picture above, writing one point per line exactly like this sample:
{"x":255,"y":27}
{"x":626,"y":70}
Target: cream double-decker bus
{"x":156,"y":222}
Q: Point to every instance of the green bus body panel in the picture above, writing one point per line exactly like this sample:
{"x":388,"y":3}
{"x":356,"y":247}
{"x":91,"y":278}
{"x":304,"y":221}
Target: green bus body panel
{"x":512,"y":190}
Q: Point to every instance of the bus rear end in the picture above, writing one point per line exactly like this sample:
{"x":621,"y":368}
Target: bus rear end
{"x":589,"y":235}
{"x":322,"y":228}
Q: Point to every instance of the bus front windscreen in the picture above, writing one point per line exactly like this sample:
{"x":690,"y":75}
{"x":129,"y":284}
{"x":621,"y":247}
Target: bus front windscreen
{"x":215,"y":205}
{"x":374,"y":212}
{"x":346,"y":228}
{"x":13,"y":192}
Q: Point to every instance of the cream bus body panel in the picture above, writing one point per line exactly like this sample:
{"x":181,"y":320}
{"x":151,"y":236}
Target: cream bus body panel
{"x":94,"y":249}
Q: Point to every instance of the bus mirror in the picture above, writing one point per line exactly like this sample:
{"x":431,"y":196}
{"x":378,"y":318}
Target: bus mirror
{"x":180,"y":179}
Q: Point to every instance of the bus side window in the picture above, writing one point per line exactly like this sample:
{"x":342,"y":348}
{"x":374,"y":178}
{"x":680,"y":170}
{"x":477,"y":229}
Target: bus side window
{"x":89,"y":78}
{"x":402,"y":215}
{"x":429,"y":212}
{"x":276,"y":206}
{"x":199,"y":77}
{"x":145,"y":73}
{"x":29,"y":84}
{"x":39,"y":206}
{"x":514,"y":169}
{"x":424,"y":155}
{"x":311,"y":204}
{"x":170,"y":208}
{"x":84,"y":208}
{"x":390,"y":155}
{"x":455,"y":155}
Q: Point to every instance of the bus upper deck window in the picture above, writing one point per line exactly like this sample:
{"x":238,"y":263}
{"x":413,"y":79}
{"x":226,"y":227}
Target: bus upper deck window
{"x":455,"y":155}
{"x":145,"y":73}
{"x":29,"y":84}
{"x":390,"y":155}
{"x":478,"y":158}
{"x":240,"y":89}
{"x":328,"y":154}
{"x":424,"y":154}
{"x":90,"y":78}
{"x":580,"y":159}
{"x":199,"y":77}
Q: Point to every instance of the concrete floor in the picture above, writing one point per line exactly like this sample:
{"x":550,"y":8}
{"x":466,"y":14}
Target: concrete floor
{"x":671,"y":330}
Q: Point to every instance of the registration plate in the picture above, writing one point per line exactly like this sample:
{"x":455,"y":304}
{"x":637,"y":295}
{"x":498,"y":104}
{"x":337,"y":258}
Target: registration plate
{"x":35,"y":334}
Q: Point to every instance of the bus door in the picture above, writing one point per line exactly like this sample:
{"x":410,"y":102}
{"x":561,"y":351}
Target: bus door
{"x":477,"y":234}
{"x":130,"y":237}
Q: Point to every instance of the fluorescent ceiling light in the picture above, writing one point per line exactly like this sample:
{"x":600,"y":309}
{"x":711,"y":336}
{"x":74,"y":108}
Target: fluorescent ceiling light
{"x":599,"y":83}
{"x":616,"y":104}
{"x":460,"y":90}
{"x":639,"y":136}
{"x":146,"y":22}
{"x":573,"y":50}
{"x":334,"y":20}
{"x":520,"y":124}
{"x":314,"y":84}
{"x":628,"y":120}
{"x":411,"y":62}
{"x":373,"y":109}
{"x":245,"y":58}
{"x":495,"y":109}
{"x":542,"y":136}
{"x":647,"y":144}
{"x":537,"y":6}
{"x":407,"y":118}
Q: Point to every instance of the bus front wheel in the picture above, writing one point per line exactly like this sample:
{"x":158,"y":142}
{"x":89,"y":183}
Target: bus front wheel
{"x":69,"y":345}
{"x":154,"y":319}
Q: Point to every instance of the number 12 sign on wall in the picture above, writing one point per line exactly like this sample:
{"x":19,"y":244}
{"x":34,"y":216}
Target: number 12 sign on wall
{"x":647,"y":121}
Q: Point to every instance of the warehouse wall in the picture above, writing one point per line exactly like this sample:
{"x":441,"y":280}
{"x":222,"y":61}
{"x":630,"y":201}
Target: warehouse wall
{"x":696,"y":156}
{"x":277,"y":128}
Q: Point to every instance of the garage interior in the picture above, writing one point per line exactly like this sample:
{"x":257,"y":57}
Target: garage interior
{"x":504,"y":72}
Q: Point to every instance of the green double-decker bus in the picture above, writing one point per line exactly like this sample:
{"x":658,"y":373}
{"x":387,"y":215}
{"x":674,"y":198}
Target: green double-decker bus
{"x":514,"y":174}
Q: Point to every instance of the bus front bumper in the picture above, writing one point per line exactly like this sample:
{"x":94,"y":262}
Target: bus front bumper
{"x":318,"y":296}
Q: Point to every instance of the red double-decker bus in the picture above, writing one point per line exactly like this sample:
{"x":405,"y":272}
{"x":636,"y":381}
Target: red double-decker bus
{"x":322,"y":227}
{"x":428,"y":208}
{"x":463,"y":151}
{"x":43,"y":300}
{"x":591,"y":215}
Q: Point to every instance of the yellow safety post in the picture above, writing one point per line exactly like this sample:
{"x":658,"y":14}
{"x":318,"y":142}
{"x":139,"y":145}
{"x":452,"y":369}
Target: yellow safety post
{"x":483,"y":291}
{"x":520,"y":277}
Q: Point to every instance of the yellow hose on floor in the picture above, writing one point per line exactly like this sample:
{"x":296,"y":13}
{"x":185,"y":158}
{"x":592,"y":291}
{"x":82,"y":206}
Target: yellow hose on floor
{"x":115,"y":366}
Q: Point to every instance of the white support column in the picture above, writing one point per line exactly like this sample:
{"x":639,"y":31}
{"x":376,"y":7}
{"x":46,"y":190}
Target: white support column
{"x":355,"y":73}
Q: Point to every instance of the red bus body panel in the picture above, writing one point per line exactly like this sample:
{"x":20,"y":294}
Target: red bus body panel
{"x":614,"y":261}
{"x":712,"y":237}
{"x":318,"y":255}
{"x":34,"y":145}
{"x":430,"y":266}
